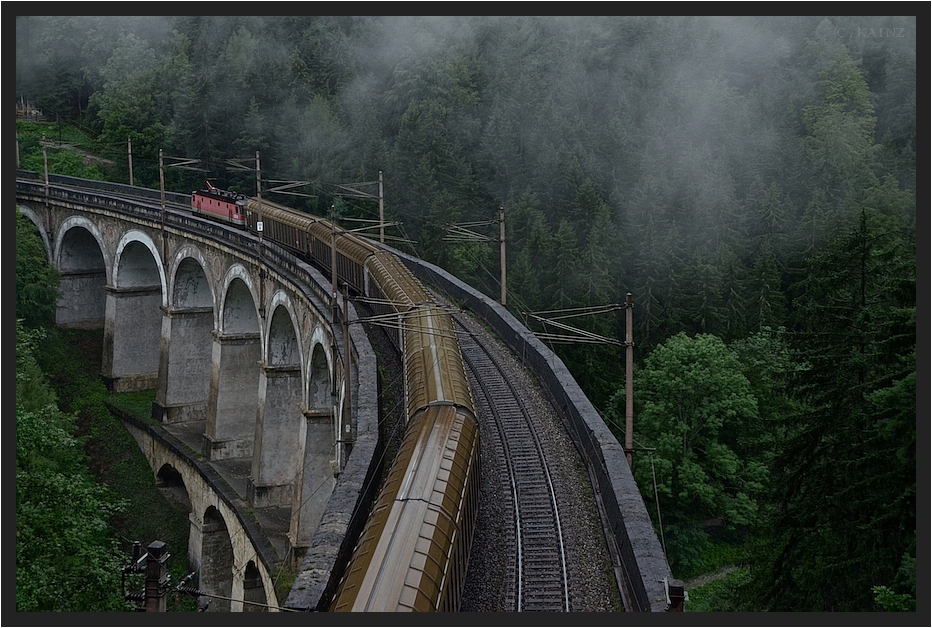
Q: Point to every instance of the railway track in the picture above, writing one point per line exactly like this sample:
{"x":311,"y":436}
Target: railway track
{"x":536,"y":554}
{"x":146,"y":196}
{"x":540,"y":540}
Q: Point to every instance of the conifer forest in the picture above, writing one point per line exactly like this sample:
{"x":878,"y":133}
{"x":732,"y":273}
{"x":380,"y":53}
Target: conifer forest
{"x":749,"y":181}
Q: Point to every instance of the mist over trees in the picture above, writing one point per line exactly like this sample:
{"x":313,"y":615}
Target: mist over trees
{"x":749,"y":180}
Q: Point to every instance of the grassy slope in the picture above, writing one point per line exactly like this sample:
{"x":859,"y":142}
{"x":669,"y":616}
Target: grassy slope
{"x":115,"y":458}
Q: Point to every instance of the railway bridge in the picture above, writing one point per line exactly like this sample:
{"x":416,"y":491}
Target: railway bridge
{"x":265,"y":418}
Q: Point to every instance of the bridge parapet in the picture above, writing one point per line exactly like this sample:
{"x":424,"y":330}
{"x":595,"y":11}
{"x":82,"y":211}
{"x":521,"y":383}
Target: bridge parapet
{"x":640,"y":562}
{"x":348,"y":507}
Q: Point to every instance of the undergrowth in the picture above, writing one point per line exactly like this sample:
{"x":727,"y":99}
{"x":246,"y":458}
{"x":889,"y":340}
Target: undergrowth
{"x":73,"y":361}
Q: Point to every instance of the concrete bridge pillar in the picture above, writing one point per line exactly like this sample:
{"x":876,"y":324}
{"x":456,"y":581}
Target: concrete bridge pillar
{"x":184,"y":365}
{"x":131,"y":338}
{"x":236,"y":592}
{"x":195,"y":540}
{"x":216,"y":571}
{"x":275,"y":459}
{"x":82,"y":303}
{"x":232,"y":404}
{"x":315,"y":479}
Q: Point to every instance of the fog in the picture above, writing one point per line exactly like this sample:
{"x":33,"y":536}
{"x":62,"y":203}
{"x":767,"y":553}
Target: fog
{"x":665,"y":143}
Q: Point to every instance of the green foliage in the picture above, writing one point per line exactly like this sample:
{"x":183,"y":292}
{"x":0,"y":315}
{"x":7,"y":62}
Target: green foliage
{"x":697,"y":410}
{"x":718,"y":596}
{"x":846,"y":478}
{"x":32,"y":388}
{"x":137,"y":403}
{"x":560,"y":264}
{"x":77,"y":159}
{"x":721,"y":580}
{"x":114,"y":455}
{"x":889,"y":601}
{"x":66,"y":557}
{"x":840,"y":144}
{"x":73,"y":164}
{"x":525,"y":222}
{"x":701,"y":305}
{"x":902,"y":596}
{"x":694,"y":162}
{"x":37,"y":282}
{"x":769,"y":364}
{"x":766,"y":306}
{"x":127,"y":105}
{"x":254,"y":137}
{"x":841,"y":127}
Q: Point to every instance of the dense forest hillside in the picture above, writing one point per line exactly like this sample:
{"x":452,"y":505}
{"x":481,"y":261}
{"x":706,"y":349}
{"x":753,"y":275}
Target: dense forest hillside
{"x":750,"y":181}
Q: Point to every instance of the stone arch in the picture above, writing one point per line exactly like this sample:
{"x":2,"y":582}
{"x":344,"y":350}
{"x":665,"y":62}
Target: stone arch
{"x":191,"y":286}
{"x":214,"y":508}
{"x":319,"y":380}
{"x":186,"y":342}
{"x":254,"y":596}
{"x":283,"y":332}
{"x":62,"y":259}
{"x":83,"y":269}
{"x":232,"y":404}
{"x":137,"y":263}
{"x":170,"y":483}
{"x":280,"y":421}
{"x":239,"y":312}
{"x":216,"y":571}
{"x":133,"y":325}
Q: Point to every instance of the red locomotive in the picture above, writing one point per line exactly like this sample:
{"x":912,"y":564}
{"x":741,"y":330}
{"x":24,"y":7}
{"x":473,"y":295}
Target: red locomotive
{"x":219,"y":204}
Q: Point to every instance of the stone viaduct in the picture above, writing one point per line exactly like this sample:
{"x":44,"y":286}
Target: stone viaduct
{"x":260,"y":397}
{"x":236,"y":339}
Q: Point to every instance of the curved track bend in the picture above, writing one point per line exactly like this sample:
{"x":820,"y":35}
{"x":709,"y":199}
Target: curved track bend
{"x":538,"y":557}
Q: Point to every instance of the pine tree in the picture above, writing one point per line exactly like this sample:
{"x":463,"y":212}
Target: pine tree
{"x":560,"y":267}
{"x":847,"y":477}
{"x":766,"y":304}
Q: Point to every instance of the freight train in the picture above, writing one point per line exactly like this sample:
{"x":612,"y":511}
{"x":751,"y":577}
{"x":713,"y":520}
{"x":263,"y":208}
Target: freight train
{"x":413,"y":552}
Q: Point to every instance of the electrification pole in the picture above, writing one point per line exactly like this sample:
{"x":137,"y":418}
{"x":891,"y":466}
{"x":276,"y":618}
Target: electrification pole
{"x":629,"y":379}
{"x":381,"y":211}
{"x":48,"y":206}
{"x":347,"y":389}
{"x":181,"y":163}
{"x":45,"y":168}
{"x":583,"y":336}
{"x":501,"y":222}
{"x":162,"y":192}
{"x":155,"y":587}
{"x":129,"y":154}
{"x":259,"y":225}
{"x":335,"y":315}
